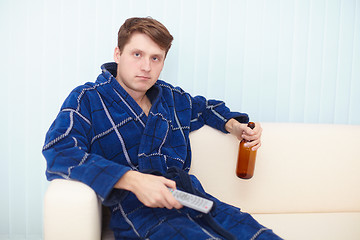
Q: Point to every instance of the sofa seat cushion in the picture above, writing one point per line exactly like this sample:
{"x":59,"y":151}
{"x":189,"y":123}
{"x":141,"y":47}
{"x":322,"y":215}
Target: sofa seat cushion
{"x":313,"y":226}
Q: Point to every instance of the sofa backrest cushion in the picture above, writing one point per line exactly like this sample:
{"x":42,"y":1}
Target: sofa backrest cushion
{"x":299,"y":168}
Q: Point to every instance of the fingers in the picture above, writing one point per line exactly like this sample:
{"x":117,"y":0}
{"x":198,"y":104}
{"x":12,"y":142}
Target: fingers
{"x":254,"y":145}
{"x":154,"y":192}
{"x":171,"y":201}
{"x":242,"y":131}
{"x":253,"y":136}
{"x":167,"y":201}
{"x":169,"y":183}
{"x":161,"y":199}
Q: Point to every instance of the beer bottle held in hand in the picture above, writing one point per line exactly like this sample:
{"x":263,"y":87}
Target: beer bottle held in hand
{"x":246,"y":159}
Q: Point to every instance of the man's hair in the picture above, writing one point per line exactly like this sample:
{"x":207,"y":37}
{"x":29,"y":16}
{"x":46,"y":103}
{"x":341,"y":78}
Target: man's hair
{"x":149,"y":26}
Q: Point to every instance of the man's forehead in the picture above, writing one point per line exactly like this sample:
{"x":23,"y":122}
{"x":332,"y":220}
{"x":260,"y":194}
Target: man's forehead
{"x":142,"y":42}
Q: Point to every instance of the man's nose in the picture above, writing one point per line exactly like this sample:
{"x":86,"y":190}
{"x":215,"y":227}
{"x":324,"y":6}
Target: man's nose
{"x":146,"y":65}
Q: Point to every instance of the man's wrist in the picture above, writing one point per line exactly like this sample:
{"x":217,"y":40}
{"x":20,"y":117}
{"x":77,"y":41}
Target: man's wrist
{"x":229,"y":125}
{"x":128,"y":180}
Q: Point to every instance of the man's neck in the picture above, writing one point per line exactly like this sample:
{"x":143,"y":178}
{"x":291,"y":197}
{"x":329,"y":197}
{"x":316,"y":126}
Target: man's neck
{"x":145,"y":104}
{"x":140,"y":98}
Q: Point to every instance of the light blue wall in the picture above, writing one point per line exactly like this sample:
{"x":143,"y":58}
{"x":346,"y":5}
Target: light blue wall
{"x":278,"y":60}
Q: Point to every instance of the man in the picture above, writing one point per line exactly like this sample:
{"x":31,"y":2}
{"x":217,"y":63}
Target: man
{"x":127,"y":137}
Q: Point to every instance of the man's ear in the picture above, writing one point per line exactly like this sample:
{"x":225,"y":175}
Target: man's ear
{"x":117,"y":55}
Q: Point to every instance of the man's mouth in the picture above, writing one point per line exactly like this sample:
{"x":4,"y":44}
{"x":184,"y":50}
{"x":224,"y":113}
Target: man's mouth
{"x":143,"y":77}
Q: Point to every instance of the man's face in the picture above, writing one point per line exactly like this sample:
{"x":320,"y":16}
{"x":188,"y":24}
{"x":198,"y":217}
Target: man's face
{"x":139,"y":65}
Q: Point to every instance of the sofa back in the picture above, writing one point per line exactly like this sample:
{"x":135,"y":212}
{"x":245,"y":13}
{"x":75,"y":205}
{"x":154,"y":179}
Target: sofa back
{"x":299,"y":168}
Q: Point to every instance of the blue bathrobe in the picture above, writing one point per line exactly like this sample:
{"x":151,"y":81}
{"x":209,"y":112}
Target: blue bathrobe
{"x":101,"y":133}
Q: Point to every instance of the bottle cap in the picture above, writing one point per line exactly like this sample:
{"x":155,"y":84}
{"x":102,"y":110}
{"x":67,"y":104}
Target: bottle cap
{"x":251,"y":125}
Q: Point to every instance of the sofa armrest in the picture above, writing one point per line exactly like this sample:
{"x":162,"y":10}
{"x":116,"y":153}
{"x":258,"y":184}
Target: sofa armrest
{"x":71,"y":211}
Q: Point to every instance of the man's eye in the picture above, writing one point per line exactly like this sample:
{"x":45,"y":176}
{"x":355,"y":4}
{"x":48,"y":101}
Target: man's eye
{"x":155,"y":59}
{"x":137,"y":54}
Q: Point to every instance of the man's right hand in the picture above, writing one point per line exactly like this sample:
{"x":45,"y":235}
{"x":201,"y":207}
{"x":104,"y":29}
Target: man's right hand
{"x":151,"y":190}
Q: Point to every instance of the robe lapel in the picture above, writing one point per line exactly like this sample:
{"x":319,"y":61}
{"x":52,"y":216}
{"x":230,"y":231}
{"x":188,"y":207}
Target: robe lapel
{"x":157,"y":130}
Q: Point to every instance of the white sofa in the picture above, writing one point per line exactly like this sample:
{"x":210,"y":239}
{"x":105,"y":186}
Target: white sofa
{"x":306,"y":184}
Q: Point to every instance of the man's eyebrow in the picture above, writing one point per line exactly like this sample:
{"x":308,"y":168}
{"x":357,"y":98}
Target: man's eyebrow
{"x":136,"y":50}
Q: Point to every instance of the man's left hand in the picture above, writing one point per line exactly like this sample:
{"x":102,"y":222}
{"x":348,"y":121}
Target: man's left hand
{"x":242,"y":131}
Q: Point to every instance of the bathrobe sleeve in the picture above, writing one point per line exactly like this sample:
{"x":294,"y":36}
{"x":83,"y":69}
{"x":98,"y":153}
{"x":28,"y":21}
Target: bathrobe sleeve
{"x":67,"y":150}
{"x":213,"y":113}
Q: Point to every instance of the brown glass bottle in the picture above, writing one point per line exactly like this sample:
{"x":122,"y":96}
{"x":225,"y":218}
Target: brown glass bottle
{"x":246,"y":159}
